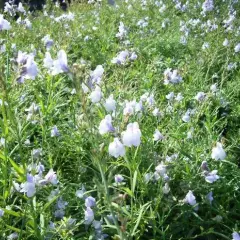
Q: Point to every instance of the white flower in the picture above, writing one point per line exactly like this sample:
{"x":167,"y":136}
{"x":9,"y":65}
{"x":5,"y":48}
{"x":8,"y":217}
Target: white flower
{"x":116,"y":148}
{"x":106,"y":125}
{"x":4,"y":24}
{"x":212,"y":176}
{"x":110,"y":104}
{"x":218,"y":152}
{"x":157,"y":136}
{"x":132,"y":136}
{"x":20,"y":8}
{"x":96,"y":95}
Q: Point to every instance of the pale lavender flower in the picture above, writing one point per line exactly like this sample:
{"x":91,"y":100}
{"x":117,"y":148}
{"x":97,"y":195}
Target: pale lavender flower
{"x":12,"y":236}
{"x":236,"y":236}
{"x":81,"y":192}
{"x":1,"y":213}
{"x":48,"y":42}
{"x":110,"y":104}
{"x":218,"y":152}
{"x":209,"y":197}
{"x":132,"y":136}
{"x":190,"y":199}
{"x":121,"y":58}
{"x":60,"y":65}
{"x":89,"y":216}
{"x":55,"y":132}
{"x":157,"y":136}
{"x":96,"y":75}
{"x":237,"y":48}
{"x":29,"y":186}
{"x":212,"y":176}
{"x":106,"y":125}
{"x":200,"y":96}
{"x":51,"y":177}
{"x":116,"y":148}
{"x":96,"y":95}
{"x":225,"y":43}
{"x":207,"y":6}
{"x":90,"y":202}
{"x":161,"y":169}
{"x":30,"y":70}
{"x":118,"y":178}
{"x":48,"y":61}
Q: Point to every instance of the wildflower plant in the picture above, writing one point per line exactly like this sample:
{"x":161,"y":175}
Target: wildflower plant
{"x":120,"y":120}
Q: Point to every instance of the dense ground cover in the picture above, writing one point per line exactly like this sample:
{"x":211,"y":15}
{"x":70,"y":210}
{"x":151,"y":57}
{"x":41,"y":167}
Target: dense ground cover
{"x":120,"y":121}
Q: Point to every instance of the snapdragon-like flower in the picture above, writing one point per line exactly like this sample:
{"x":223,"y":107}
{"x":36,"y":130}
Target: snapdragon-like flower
{"x":96,"y":95}
{"x":106,"y":125}
{"x":218,"y":152}
{"x":110,"y":104}
{"x":29,"y":186}
{"x":186,"y":117}
{"x":172,"y":76}
{"x":51,"y":177}
{"x":20,"y":8}
{"x":96,"y":75}
{"x":121,"y":58}
{"x":200,"y":96}
{"x":237,"y":48}
{"x":211,"y":176}
{"x":132,"y":136}
{"x":1,"y":213}
{"x":209,"y":197}
{"x":161,"y":169}
{"x":116,"y":148}
{"x":48,"y":61}
{"x":29,"y":70}
{"x":12,"y":236}
{"x":157,"y":136}
{"x":208,"y":6}
{"x":236,"y":236}
{"x":55,"y":132}
{"x":225,"y":43}
{"x":90,"y":202}
{"x":89,"y":216}
{"x":122,"y":31}
{"x":48,"y":42}
{"x":81,"y":192}
{"x":60,"y":65}
{"x":118,"y":178}
{"x":190,"y":199}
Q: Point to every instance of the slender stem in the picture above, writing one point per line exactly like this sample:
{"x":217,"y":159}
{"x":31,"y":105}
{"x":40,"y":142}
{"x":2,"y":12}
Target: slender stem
{"x":109,"y":203}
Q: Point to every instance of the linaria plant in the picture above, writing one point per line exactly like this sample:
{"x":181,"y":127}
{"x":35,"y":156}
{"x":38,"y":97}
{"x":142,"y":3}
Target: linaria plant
{"x":120,"y":120}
